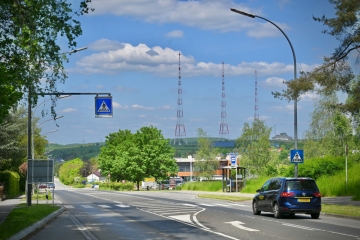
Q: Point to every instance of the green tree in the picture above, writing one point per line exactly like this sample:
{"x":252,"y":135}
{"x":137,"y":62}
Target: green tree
{"x":330,"y":130}
{"x":12,"y":140}
{"x":29,"y":51}
{"x":69,"y":170}
{"x":205,"y":158}
{"x":133,"y":157}
{"x":335,"y":73}
{"x":254,"y":146}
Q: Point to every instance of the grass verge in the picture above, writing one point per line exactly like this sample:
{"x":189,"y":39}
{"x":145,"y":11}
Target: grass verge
{"x":23,"y":216}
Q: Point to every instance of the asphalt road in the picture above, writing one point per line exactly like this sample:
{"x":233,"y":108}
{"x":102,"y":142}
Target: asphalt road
{"x":96,"y":214}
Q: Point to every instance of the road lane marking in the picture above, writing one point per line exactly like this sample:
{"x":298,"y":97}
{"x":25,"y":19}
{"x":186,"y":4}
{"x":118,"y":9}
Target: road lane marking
{"x":239,"y":224}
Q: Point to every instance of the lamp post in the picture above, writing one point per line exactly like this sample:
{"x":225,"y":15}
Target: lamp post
{"x":29,"y":150}
{"x":294,"y":57}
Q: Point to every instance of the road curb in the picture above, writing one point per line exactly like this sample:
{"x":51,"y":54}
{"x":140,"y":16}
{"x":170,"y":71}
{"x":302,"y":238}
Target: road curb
{"x":339,"y":216}
{"x":23,"y":233}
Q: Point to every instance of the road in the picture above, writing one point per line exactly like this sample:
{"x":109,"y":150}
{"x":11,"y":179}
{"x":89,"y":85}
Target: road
{"x":96,"y":214}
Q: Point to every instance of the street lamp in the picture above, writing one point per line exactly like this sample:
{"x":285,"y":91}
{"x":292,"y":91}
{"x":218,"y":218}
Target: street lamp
{"x":294,"y":57}
{"x":32,"y":135}
{"x":29,"y":152}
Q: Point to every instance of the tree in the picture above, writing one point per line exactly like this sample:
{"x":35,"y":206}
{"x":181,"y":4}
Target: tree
{"x":29,"y":30}
{"x":330,"y":130}
{"x":205,"y":161}
{"x":335,"y":73}
{"x":133,"y":157}
{"x":70,"y":170}
{"x":254,"y":146}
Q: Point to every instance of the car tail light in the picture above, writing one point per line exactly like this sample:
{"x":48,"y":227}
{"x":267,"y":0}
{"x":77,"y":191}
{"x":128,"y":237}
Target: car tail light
{"x":317,"y":194}
{"x":287,"y":194}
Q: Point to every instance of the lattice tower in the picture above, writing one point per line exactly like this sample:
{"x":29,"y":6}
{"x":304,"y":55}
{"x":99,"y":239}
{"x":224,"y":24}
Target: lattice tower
{"x":224,"y":129}
{"x":256,"y":114}
{"x":180,"y":131}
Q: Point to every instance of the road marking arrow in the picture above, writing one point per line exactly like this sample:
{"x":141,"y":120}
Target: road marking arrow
{"x":238,"y":225}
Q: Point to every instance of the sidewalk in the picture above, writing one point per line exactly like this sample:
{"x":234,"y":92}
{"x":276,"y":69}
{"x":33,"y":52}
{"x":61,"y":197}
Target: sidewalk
{"x":7,"y":205}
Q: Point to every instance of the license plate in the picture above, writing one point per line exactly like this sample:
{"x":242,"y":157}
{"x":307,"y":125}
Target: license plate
{"x":304,"y":200}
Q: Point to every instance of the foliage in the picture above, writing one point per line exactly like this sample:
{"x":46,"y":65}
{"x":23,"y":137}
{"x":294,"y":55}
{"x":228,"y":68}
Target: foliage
{"x":71,"y":151}
{"x":28,"y":46}
{"x":15,"y":221}
{"x":13,"y":132}
{"x":211,"y":186}
{"x":317,"y":167}
{"x":11,"y":180}
{"x":335,"y":73}
{"x":133,"y":157}
{"x":117,"y":186}
{"x":254,"y":146}
{"x":335,"y":185}
{"x":70,"y":170}
{"x":205,"y":161}
{"x":330,"y":130}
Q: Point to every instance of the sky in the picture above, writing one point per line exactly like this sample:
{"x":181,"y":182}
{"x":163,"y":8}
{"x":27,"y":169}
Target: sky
{"x":133,"y":53}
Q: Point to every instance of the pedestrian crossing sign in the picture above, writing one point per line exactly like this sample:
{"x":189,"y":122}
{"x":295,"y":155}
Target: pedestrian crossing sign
{"x":297,"y":156}
{"x":103,"y":107}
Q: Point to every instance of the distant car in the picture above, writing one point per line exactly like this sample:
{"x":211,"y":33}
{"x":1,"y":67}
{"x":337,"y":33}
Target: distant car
{"x":95,"y":186}
{"x":42,"y":186}
{"x":288,"y":196}
{"x":51,"y":185}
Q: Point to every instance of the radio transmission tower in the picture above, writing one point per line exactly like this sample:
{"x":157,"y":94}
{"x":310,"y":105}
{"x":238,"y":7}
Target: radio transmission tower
{"x":224,"y":130}
{"x":180,"y":127}
{"x":256,"y":114}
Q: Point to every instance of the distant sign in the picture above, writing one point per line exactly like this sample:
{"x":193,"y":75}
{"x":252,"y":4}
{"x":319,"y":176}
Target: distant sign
{"x":40,"y":171}
{"x":297,"y":156}
{"x":233,"y":160}
{"x":103,"y":107}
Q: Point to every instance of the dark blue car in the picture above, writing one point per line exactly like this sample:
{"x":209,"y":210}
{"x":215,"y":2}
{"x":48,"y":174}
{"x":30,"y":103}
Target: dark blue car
{"x":288,"y":196}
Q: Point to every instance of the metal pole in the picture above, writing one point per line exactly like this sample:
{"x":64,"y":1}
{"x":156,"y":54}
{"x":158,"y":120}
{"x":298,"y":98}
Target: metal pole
{"x":29,"y":152}
{"x":294,"y":57}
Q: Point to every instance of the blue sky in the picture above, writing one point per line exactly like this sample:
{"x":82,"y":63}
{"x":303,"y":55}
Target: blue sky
{"x":133,"y":48}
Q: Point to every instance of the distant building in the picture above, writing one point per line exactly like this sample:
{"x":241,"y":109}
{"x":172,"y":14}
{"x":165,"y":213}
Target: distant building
{"x":96,"y":177}
{"x":283,"y":137}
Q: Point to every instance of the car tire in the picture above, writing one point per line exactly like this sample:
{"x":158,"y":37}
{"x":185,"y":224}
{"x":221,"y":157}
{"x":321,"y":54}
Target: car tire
{"x":276,"y":210}
{"x":315,"y":215}
{"x":255,"y":208}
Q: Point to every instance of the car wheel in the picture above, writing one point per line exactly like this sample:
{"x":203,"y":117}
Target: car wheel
{"x":276,"y":210}
{"x":315,"y":215}
{"x":255,"y":208}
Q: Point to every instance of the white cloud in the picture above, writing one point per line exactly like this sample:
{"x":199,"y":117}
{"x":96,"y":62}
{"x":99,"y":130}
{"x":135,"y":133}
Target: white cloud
{"x":100,"y":86}
{"x":205,"y":14}
{"x":136,"y":106}
{"x":105,"y":45}
{"x":273,"y":82}
{"x":286,"y":108}
{"x":119,"y":106}
{"x":142,"y":116}
{"x":68,"y":110}
{"x":267,"y":30}
{"x":137,"y":58}
{"x":167,"y":107}
{"x":175,"y":34}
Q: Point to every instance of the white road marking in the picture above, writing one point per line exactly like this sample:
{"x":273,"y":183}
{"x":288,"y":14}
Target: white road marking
{"x":122,"y":206}
{"x":104,"y":206}
{"x":238,"y":224}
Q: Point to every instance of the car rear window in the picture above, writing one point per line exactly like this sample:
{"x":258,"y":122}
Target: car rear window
{"x":301,"y":185}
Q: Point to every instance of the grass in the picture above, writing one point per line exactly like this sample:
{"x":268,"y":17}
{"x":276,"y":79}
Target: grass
{"x":352,"y":211}
{"x":22,"y":217}
{"x":222,"y":197}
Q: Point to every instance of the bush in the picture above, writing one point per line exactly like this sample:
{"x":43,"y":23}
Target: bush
{"x":317,"y":167}
{"x":117,"y":186}
{"x":12,"y":180}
